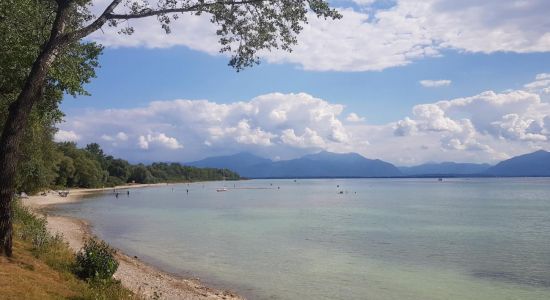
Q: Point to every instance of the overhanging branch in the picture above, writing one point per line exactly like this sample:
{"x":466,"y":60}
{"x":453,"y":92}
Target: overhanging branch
{"x":191,"y":8}
{"x":109,"y":15}
{"x":95,"y":25}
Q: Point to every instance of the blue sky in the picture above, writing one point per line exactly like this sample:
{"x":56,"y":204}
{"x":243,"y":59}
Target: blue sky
{"x":370,"y":65}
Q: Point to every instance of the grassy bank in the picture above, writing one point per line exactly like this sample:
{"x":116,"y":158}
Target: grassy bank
{"x":44,"y":267}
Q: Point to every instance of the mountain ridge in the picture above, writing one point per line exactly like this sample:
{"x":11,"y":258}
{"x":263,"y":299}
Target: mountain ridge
{"x":332,"y":165}
{"x":322,"y":164}
{"x":445,"y":168}
{"x":531,"y":164}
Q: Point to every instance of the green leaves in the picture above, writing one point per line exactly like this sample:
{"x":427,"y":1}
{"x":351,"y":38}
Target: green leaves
{"x":96,"y":261}
{"x":24,"y":28}
{"x":245,"y":27}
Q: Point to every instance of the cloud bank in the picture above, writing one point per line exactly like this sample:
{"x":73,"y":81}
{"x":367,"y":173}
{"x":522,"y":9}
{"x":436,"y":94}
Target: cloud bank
{"x":370,"y":38}
{"x":486,"y":127}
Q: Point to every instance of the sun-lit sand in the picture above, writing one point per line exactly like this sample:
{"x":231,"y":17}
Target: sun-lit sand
{"x":134,"y":274}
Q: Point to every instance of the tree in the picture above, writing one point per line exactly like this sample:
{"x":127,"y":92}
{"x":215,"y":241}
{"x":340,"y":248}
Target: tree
{"x":65,"y":172}
{"x":88,"y":172}
{"x":140,"y":174}
{"x":119,"y":168}
{"x":25,"y":26}
{"x":244,"y":28}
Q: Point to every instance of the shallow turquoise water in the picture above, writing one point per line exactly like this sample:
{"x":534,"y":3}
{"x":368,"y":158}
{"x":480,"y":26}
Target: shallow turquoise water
{"x":381,"y":239}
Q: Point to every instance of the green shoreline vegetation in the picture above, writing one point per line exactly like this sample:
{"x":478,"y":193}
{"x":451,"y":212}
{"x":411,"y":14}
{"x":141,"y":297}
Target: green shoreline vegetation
{"x":44,"y":267}
{"x":69,"y":166}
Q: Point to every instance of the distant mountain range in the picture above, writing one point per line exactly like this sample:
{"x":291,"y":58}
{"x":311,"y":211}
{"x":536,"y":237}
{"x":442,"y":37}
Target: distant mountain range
{"x":322,"y":164}
{"x":445,"y":168}
{"x":327,"y":164}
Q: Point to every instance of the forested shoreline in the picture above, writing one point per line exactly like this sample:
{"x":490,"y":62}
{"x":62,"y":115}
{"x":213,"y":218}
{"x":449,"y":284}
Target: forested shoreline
{"x":66,"y":165}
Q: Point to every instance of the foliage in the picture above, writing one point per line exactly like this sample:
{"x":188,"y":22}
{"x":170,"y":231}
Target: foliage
{"x":32,"y":228}
{"x":90,"y":167}
{"x":107,"y":290}
{"x":24,"y":28}
{"x":96,"y":261}
{"x":42,"y":247}
{"x":244,"y":27}
{"x":169,"y":172}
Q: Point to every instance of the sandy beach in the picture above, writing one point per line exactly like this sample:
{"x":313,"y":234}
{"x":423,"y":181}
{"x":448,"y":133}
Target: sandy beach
{"x":137,"y":276}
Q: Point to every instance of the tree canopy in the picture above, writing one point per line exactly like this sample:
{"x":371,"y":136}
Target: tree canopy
{"x":24,"y":28}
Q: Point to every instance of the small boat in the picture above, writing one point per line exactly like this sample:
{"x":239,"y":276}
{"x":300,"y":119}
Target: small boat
{"x":224,"y":188}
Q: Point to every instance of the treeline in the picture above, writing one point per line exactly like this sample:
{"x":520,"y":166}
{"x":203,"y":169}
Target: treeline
{"x":89,"y":167}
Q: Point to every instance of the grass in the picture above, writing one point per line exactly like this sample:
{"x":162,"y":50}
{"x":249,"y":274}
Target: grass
{"x":43,"y":266}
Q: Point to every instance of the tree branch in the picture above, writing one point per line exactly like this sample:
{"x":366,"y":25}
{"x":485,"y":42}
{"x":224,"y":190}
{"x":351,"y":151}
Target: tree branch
{"x":95,"y":25}
{"x":196,"y":7}
{"x":109,"y":15}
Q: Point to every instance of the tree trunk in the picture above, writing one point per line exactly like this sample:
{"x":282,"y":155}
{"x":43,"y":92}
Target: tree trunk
{"x":14,"y":128}
{"x":16,"y":123}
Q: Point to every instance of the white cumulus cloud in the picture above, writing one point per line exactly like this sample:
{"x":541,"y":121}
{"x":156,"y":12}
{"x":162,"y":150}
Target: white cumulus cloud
{"x":353,"y":117}
{"x":485,"y":121}
{"x":158,"y":139}
{"x":435,"y":83}
{"x":288,"y":123}
{"x":373,"y":39}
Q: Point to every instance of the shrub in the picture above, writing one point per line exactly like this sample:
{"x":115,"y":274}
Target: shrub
{"x":33,"y":228}
{"x":96,"y":261}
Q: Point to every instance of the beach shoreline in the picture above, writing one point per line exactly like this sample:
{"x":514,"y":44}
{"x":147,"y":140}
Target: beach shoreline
{"x":141,"y":278}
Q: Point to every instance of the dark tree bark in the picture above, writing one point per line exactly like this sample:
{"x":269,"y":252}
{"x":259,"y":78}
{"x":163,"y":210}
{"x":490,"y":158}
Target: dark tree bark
{"x":16,"y":122}
{"x":20,"y":109}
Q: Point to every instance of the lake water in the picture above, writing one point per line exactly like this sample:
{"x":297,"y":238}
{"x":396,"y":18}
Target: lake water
{"x":380,"y":239}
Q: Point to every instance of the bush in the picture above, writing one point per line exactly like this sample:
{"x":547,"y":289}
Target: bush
{"x":33,"y":228}
{"x":96,"y":261}
{"x":51,"y":249}
{"x":30,"y":231}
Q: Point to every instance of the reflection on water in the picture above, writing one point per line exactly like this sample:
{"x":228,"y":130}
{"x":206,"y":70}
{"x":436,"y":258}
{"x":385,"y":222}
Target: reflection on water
{"x":379,"y":239}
